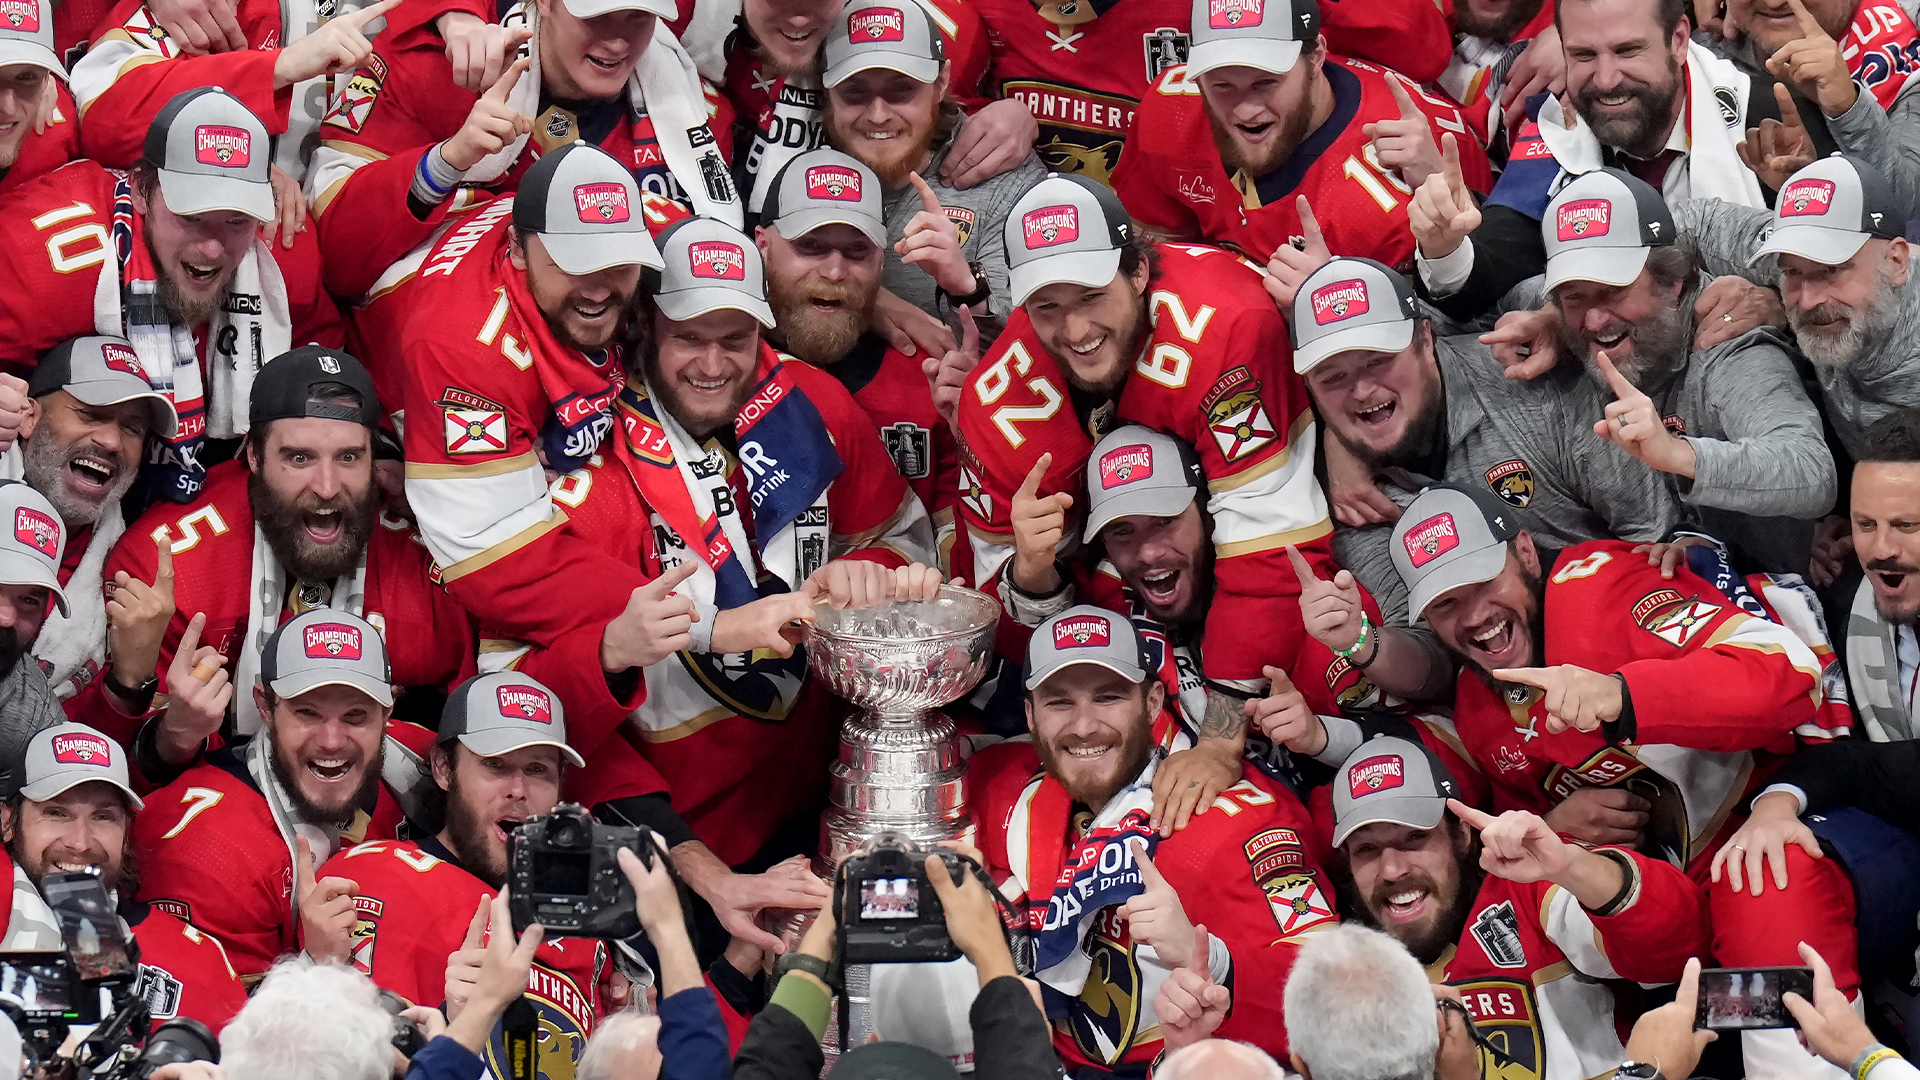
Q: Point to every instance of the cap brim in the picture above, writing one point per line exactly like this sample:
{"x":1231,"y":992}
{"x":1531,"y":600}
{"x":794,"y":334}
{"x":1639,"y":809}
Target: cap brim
{"x":801,"y":222}
{"x":18,"y":569}
{"x":301,"y":682}
{"x":101,"y":394}
{"x":686,"y":304}
{"x":196,"y":193}
{"x":498,"y":743}
{"x":1828,"y":247}
{"x":21,"y":51}
{"x":586,"y":253}
{"x":918,"y":68}
{"x":1164,"y":502}
{"x":1617,"y":266}
{"x":1089,"y":268}
{"x":1415,"y":812}
{"x":66,"y":780}
{"x":1472,"y":569}
{"x":1390,"y":337}
{"x":589,"y":9}
{"x":1131,"y":674}
{"x":1266,"y":54}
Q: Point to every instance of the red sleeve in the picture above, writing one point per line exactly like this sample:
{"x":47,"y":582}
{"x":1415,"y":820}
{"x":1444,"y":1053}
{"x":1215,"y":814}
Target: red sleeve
{"x":208,"y":989}
{"x":964,"y":35}
{"x":414,"y":21}
{"x":1665,"y":925}
{"x":1141,"y":176}
{"x":51,"y":259}
{"x":205,"y":857}
{"x":42,"y":153}
{"x":1409,"y":35}
{"x":870,"y":495}
{"x":316,"y":318}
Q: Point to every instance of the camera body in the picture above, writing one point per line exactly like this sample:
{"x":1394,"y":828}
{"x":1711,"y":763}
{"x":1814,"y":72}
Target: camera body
{"x":887,"y":909}
{"x":563,"y":873}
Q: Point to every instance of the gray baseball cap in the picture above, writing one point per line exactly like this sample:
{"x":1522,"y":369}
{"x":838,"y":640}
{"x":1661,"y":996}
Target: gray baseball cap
{"x":211,"y":153}
{"x":26,"y":35}
{"x":1137,"y":470}
{"x":893,"y":34}
{"x":1086,"y":635}
{"x":586,"y":209}
{"x":592,"y":9}
{"x":1066,"y":228}
{"x":710,"y":266}
{"x":65,"y":756}
{"x":327,"y":647}
{"x":30,"y":550}
{"x":101,"y":371}
{"x":1350,"y":305}
{"x":1829,"y":210}
{"x":1449,"y":537}
{"x":1392,"y":780}
{"x":504,"y":711}
{"x":1602,"y":226}
{"x":1266,"y":34}
{"x":826,"y":187}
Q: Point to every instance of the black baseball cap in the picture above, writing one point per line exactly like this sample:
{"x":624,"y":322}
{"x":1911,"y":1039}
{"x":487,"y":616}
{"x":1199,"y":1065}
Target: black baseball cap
{"x":283,"y":389}
{"x":892,"y":1061}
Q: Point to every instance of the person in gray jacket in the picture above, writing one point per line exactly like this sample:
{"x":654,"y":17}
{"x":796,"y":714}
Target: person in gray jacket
{"x":887,"y":106}
{"x":30,"y":554}
{"x":1730,"y":427}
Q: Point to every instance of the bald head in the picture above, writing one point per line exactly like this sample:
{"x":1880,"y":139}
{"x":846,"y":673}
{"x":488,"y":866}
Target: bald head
{"x":1219,"y":1059}
{"x":625,"y":1047}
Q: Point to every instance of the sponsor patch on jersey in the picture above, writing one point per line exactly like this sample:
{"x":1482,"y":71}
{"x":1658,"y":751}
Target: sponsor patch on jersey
{"x":476,"y":431}
{"x":1236,"y":416}
{"x":333,"y":641}
{"x":82,"y":749}
{"x":877,"y":24}
{"x":525,"y":703}
{"x":1121,"y":467}
{"x":22,"y":16}
{"x":1375,"y":775}
{"x":911,"y":448}
{"x":222,"y":145}
{"x":1806,"y":198}
{"x":717,"y":259}
{"x":835,"y":183}
{"x":1234,"y":14}
{"x":1083,"y":632}
{"x":1338,"y":301}
{"x":355,"y":101}
{"x":1497,"y":929}
{"x":1050,"y":226}
{"x":1582,"y":219}
{"x":37,"y":530}
{"x":1512,"y":481}
{"x":1431,"y":539}
{"x":1503,"y":1010}
{"x":1672,"y":618}
{"x":963,"y":220}
{"x":603,"y":203}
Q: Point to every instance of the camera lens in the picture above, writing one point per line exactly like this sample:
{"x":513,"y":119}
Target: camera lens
{"x":182,"y":1039}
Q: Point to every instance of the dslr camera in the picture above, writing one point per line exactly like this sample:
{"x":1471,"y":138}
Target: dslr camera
{"x":887,"y":909}
{"x":562,"y":872}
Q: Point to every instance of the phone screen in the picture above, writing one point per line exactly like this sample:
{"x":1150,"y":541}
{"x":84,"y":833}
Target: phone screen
{"x":1745,"y":999}
{"x":96,"y":938}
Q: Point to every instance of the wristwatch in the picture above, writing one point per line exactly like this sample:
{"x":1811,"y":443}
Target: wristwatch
{"x":982,"y":289}
{"x":1637,"y":1070}
{"x":139,"y":696}
{"x":812,"y":965}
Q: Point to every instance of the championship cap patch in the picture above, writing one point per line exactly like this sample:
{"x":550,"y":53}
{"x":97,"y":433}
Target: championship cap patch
{"x":121,"y":358}
{"x":1376,"y":774}
{"x":717,"y":259}
{"x":37,"y":530}
{"x":1431,"y":539}
{"x":1340,"y":300}
{"x":602,"y":203}
{"x":525,"y":703}
{"x":1125,"y":465}
{"x":20,"y":15}
{"x":1583,"y":219}
{"x":1082,"y":632}
{"x":1811,"y":197}
{"x":877,"y":24}
{"x":1051,"y":226}
{"x":333,"y":641}
{"x":836,"y":183}
{"x":219,"y":144}
{"x":82,"y":749}
{"x":1234,"y":14}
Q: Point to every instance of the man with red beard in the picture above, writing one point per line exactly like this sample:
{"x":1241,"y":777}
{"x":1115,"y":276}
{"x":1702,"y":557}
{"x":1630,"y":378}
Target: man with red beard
{"x":823,"y":241}
{"x":231,"y":845}
{"x":1289,"y":123}
{"x":202,"y":299}
{"x":1114,"y":908}
{"x":1582,"y":669}
{"x":39,"y":124}
{"x":296,"y":526}
{"x":74,"y":811}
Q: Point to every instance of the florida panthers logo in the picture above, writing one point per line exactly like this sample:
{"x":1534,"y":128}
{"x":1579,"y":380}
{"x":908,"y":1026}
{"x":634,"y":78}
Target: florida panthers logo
{"x":21,"y":16}
{"x":1512,"y":481}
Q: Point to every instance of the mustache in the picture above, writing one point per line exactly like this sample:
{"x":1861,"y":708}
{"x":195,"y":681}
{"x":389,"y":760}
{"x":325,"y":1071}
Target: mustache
{"x":1378,"y":898}
{"x":1634,"y":87}
{"x":1826,"y":314}
{"x":1891,"y":566}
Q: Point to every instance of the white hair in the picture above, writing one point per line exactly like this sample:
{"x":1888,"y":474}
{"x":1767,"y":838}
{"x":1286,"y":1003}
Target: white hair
{"x":626,"y":1046}
{"x":310,"y":1021}
{"x":1219,"y":1059}
{"x":1359,"y":1007}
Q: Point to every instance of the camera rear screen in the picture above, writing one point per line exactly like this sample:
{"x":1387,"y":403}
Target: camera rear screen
{"x":889,"y":898}
{"x":37,"y":987}
{"x":562,"y":874}
{"x":1740,"y":999}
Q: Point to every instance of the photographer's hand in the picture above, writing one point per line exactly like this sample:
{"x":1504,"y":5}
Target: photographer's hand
{"x":1666,"y":1037}
{"x":656,"y":899}
{"x":503,"y":977}
{"x":1155,"y":917}
{"x":1832,"y":1029}
{"x":972,"y":920}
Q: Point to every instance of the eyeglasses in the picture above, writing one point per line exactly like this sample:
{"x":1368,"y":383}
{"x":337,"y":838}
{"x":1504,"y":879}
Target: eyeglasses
{"x":1500,"y":1057}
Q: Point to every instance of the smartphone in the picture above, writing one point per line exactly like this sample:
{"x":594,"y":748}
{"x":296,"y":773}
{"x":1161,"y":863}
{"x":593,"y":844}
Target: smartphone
{"x":96,"y":939}
{"x":1748,"y":999}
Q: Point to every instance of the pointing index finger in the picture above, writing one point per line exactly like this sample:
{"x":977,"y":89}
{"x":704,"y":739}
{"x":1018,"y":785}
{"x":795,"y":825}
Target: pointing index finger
{"x":1809,"y":26}
{"x":369,"y":13}
{"x":1456,"y":176}
{"x":1301,"y":568}
{"x":1526,"y":676}
{"x":477,"y":926}
{"x":1149,"y":874}
{"x":666,"y":582}
{"x":501,"y":89}
{"x":1468,"y":814}
{"x":1408,"y":110}
{"x":1621,"y":387}
{"x":303,"y":866}
{"x":928,"y":200}
{"x":1309,"y":225}
{"x":1030,"y":487}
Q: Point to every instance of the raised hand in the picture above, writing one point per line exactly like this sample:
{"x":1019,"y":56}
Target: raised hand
{"x":1814,"y":65}
{"x":1405,"y":143}
{"x":340,"y":44}
{"x":1332,"y":610}
{"x":1666,"y":1035}
{"x":947,"y":372}
{"x":1284,"y":716}
{"x":1517,"y":845}
{"x":504,"y":967}
{"x":1831,"y":1026}
{"x":1730,"y":306}
{"x":137,"y":618}
{"x":1777,"y":148}
{"x":993,"y":140}
{"x":13,"y":407}
{"x":908,"y":329}
{"x":463,"y":964}
{"x":478,"y":50}
{"x":1190,"y":1005}
{"x":1443,"y":212}
{"x":1762,"y":841}
{"x":1154,"y":915}
{"x":199,"y":689}
{"x":1832,"y":547}
{"x":1290,"y":266}
{"x":1575,"y":697}
{"x":1633,"y":424}
{"x":1039,"y":525}
{"x":738,"y":900}
{"x":1527,"y":343}
{"x":491,"y":124}
{"x":656,"y":624}
{"x":326,"y":907}
{"x":931,"y":242}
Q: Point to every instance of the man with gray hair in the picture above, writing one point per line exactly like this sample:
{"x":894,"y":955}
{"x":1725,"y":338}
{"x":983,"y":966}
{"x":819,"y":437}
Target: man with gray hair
{"x":310,"y":1022}
{"x":626,"y":1047}
{"x":1219,"y":1059}
{"x":1359,"y":1007}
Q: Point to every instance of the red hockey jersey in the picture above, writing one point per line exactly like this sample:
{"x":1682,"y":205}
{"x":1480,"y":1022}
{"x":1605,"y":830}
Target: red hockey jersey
{"x":183,"y":970}
{"x":1217,"y":372}
{"x":415,"y":902}
{"x":1082,"y":68}
{"x":1175,"y":184}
